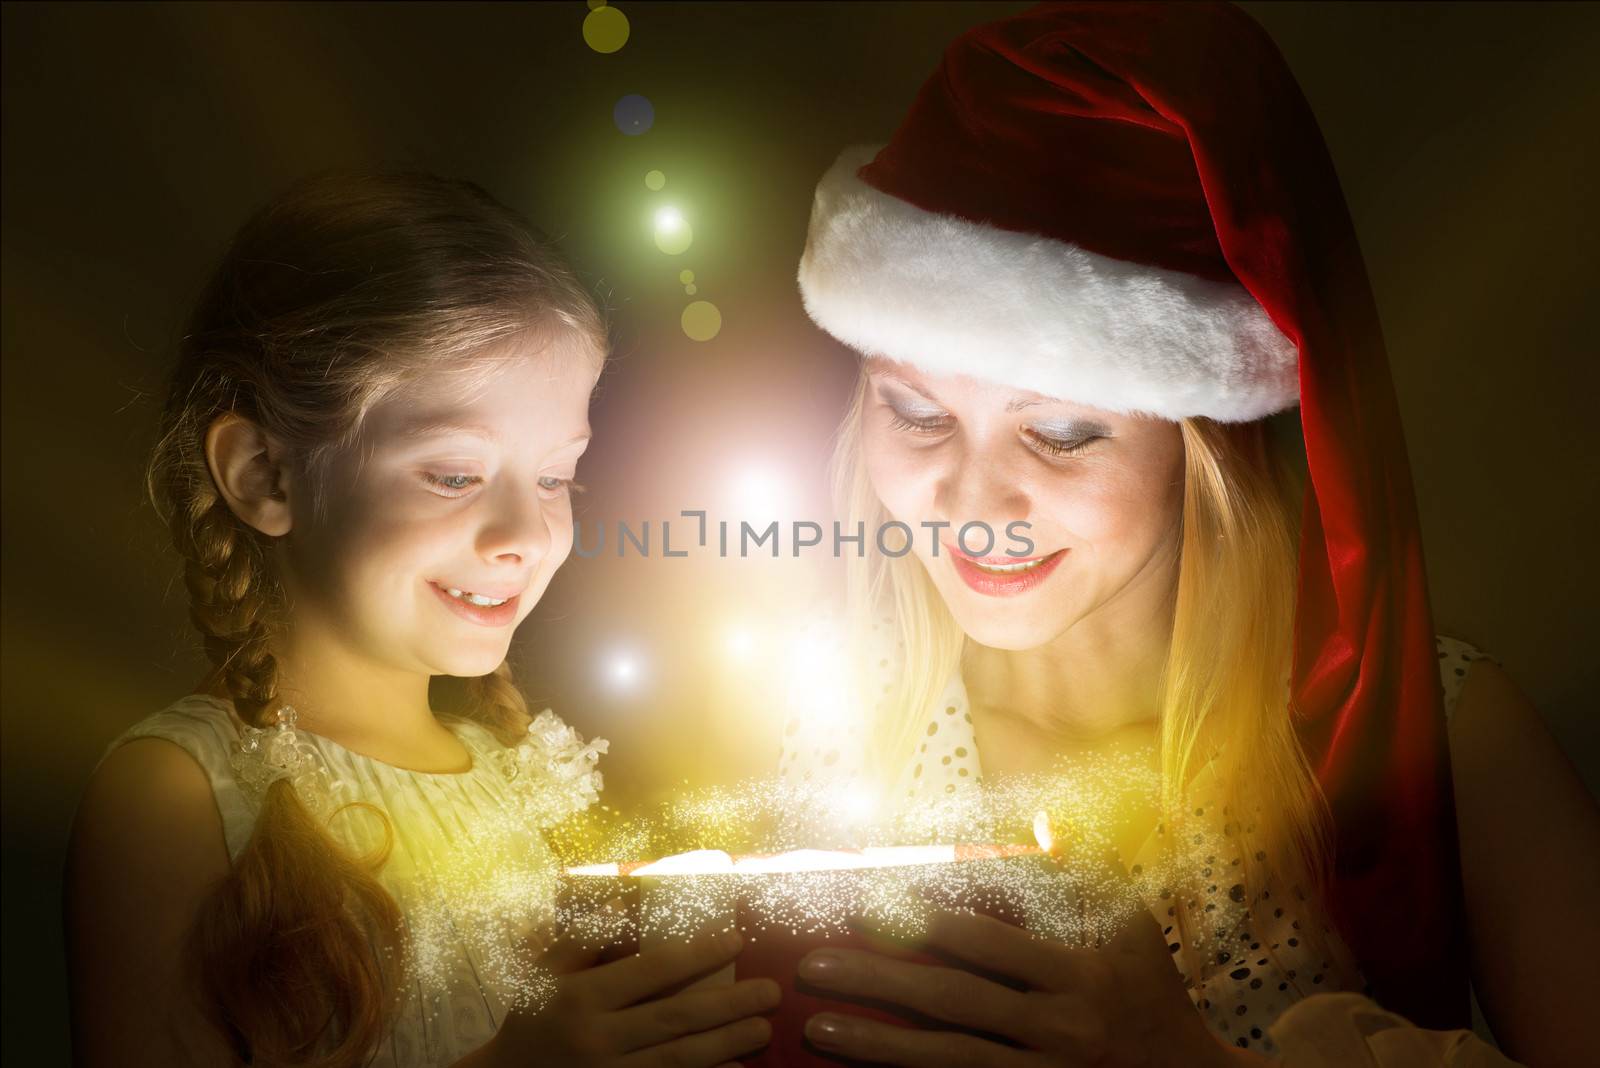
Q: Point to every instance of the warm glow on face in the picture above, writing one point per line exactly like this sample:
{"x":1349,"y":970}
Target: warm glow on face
{"x":1101,"y":492}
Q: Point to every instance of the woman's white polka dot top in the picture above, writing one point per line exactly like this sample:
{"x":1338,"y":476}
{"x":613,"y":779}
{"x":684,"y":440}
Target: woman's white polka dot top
{"x":1265,"y":964}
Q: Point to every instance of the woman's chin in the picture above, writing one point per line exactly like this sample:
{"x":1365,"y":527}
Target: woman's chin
{"x":1001,"y":628}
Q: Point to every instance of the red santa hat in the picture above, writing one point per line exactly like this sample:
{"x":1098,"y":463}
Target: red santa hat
{"x":1130,"y":205}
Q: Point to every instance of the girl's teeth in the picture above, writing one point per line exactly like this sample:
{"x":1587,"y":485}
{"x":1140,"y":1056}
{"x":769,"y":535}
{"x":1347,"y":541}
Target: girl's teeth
{"x":475,"y":598}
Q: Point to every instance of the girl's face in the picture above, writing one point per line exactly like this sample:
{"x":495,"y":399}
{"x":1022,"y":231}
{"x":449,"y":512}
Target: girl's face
{"x":444,"y":524}
{"x":1102,"y":494}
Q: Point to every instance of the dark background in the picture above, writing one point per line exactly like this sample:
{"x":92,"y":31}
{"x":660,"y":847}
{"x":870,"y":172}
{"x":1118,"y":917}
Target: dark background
{"x":137,"y":137}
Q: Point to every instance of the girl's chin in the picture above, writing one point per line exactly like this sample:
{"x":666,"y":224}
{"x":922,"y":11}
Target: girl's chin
{"x":467,"y":664}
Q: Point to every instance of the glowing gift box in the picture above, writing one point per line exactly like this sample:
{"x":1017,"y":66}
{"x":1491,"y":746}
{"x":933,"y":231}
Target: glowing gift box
{"x":673,"y":904}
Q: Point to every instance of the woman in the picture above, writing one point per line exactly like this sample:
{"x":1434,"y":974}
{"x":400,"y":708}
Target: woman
{"x":1105,"y":250}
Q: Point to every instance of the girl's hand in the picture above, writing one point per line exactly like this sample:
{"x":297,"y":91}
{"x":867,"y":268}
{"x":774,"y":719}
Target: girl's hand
{"x":1121,"y":1005}
{"x":615,"y":1014}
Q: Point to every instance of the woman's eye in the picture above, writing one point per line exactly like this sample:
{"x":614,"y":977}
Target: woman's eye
{"x":451,"y":485}
{"x":917,"y":424}
{"x":1056,"y":446}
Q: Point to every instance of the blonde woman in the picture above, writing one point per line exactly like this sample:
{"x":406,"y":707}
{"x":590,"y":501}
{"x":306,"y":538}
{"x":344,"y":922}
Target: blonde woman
{"x":1092,"y":275}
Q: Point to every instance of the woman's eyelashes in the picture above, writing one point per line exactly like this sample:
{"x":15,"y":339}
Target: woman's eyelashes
{"x":1058,"y":444}
{"x":916,"y":424}
{"x":906,"y":414}
{"x":1049,"y":439}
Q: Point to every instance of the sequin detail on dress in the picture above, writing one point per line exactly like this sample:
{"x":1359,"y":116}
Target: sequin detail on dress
{"x":552,"y":770}
{"x":263,"y":755}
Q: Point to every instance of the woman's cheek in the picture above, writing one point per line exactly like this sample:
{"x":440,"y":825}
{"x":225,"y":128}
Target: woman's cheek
{"x":898,"y":479}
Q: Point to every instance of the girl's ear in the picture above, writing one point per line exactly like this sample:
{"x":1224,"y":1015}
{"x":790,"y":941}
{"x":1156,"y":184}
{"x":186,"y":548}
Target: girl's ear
{"x":248,"y":468}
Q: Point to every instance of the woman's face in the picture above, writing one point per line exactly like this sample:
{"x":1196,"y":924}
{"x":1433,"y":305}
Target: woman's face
{"x":1102,"y":495}
{"x":444,"y":524}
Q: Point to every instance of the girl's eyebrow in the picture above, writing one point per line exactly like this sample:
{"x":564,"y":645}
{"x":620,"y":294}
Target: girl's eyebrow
{"x":438,"y":428}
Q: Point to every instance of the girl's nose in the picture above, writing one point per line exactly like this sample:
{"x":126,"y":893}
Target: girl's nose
{"x":517,"y":530}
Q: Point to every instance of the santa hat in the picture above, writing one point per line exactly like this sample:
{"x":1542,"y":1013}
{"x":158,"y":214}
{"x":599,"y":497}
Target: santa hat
{"x":1130,"y":205}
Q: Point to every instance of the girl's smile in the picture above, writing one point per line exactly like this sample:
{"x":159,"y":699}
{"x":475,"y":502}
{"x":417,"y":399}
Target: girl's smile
{"x":481,"y":608}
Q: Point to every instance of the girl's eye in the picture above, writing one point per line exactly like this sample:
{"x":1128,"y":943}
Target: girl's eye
{"x":1056,"y":446}
{"x":552,"y":484}
{"x":451,"y":485}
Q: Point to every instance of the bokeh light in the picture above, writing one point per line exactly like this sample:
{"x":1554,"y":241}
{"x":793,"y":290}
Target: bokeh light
{"x":702,"y":320}
{"x":633,"y":113}
{"x":605,"y":29}
{"x":739,"y":640}
{"x":655,"y":181}
{"x":686,"y":277}
{"x":690,"y":289}
{"x":672,"y":232}
{"x":760,"y":491}
{"x":622,"y":670}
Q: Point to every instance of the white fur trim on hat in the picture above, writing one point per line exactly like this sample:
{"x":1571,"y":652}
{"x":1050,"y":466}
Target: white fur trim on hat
{"x":951,"y":296}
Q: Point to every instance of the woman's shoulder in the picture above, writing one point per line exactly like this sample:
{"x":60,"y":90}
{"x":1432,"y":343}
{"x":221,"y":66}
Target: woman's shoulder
{"x":1456,"y":658}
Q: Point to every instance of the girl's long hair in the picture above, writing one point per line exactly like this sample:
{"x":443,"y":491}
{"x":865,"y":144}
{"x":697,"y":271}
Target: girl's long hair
{"x":338,"y":292}
{"x":1226,"y":677}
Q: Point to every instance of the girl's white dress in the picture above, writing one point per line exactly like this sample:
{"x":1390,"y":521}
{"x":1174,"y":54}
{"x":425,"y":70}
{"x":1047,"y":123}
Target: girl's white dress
{"x":1261,"y":966}
{"x":468,"y":866}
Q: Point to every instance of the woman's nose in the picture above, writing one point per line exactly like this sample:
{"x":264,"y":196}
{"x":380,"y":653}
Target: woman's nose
{"x":978,"y":490}
{"x":517,"y":529}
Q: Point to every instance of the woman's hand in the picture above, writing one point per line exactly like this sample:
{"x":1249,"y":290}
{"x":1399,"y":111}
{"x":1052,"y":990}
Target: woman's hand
{"x":1121,"y":1005}
{"x":614,"y":1014}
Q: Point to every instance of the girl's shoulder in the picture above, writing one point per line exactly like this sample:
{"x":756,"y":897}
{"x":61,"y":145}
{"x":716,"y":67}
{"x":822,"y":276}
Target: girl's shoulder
{"x":205,"y":729}
{"x":203,"y":725}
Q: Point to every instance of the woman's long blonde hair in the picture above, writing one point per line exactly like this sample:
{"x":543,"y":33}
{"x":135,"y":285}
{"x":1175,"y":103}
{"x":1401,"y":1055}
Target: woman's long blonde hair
{"x":342,"y":290}
{"x":1228,"y":666}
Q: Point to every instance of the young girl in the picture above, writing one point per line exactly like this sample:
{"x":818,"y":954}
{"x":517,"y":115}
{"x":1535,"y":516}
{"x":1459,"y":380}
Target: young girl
{"x":1103,"y":248}
{"x":329,"y":853}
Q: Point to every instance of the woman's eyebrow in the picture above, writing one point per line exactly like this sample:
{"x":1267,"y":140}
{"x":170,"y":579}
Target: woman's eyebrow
{"x":889,"y":376}
{"x":1016,"y":404}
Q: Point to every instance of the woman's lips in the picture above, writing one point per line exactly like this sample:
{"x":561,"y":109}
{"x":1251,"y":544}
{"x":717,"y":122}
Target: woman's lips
{"x":482,"y":614}
{"x":1007,"y":584}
